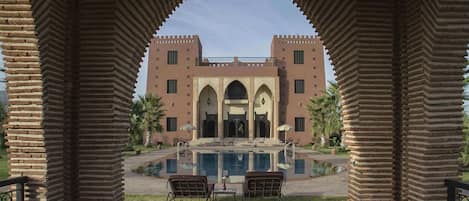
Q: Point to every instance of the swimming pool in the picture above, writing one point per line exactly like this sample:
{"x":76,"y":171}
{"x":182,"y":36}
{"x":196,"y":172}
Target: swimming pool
{"x":235,"y":163}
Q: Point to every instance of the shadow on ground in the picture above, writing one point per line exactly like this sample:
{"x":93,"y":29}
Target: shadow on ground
{"x":289,"y":198}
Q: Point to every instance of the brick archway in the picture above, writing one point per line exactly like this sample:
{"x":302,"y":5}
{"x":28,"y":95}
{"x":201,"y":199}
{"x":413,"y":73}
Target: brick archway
{"x":72,"y":67}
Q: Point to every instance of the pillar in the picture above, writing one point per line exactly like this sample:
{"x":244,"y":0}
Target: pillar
{"x":251,"y":99}
{"x":366,"y":85}
{"x":275,"y":161}
{"x":251,"y":161}
{"x":194,"y":162}
{"x":431,"y":107}
{"x":251,"y":119}
{"x":275,"y":119}
{"x":220,"y":97}
{"x":220,"y":167}
{"x":195,"y":120}
{"x":195,"y":109}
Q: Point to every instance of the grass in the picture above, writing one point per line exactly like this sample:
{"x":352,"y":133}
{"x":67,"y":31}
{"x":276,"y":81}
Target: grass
{"x":229,"y":198}
{"x":3,"y":164}
{"x":327,"y":151}
{"x":465,"y":176}
{"x":143,"y":149}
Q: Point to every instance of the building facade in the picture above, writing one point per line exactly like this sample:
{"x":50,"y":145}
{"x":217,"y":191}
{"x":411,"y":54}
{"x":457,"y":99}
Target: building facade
{"x":235,"y":100}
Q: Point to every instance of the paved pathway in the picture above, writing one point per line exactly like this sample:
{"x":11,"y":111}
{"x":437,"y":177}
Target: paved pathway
{"x":335,"y":185}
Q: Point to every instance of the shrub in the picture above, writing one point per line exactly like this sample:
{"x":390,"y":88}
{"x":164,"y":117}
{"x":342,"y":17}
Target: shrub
{"x":2,"y":140}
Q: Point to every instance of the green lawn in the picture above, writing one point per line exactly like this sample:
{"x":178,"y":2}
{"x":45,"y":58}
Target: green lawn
{"x":327,"y":151}
{"x":143,"y":149}
{"x":3,"y":165}
{"x":229,"y":198}
{"x":465,"y":176}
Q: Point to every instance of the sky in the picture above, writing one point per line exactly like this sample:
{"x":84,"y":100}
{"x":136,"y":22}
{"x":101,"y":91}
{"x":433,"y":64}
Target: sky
{"x":241,"y":28}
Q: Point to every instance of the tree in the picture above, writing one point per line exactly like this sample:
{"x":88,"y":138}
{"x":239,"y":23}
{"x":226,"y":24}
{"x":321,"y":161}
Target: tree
{"x":152,"y":112}
{"x":466,"y":80}
{"x":3,"y":117}
{"x":325,"y":114}
{"x":316,"y":108}
{"x":465,"y":151}
{"x":136,"y":125}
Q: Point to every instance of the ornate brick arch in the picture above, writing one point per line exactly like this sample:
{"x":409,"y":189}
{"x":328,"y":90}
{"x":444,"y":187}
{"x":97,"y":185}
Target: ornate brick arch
{"x":72,"y":67}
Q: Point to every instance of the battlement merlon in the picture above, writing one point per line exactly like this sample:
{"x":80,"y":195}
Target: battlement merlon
{"x":292,"y":37}
{"x":176,"y":39}
{"x":296,"y":39}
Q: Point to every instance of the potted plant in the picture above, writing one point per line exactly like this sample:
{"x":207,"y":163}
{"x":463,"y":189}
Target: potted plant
{"x":158,"y":145}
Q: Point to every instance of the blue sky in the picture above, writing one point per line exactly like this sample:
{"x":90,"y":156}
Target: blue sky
{"x":234,"y":28}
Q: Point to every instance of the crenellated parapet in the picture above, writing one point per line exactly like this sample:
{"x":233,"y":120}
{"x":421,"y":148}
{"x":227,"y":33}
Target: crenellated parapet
{"x":177,"y":39}
{"x":297,"y":39}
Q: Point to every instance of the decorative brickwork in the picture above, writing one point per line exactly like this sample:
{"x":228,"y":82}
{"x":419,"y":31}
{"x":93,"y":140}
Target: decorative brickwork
{"x":72,"y":67}
{"x":399,"y":68}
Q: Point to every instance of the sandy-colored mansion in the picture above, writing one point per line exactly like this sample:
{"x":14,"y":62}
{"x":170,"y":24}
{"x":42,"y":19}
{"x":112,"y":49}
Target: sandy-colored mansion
{"x":238,"y":100}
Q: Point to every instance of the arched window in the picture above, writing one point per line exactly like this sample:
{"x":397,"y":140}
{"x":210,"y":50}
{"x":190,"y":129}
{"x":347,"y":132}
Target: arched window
{"x":236,"y":90}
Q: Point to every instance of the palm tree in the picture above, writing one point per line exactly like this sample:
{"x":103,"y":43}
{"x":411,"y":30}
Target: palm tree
{"x":153,"y":112}
{"x":136,"y":126}
{"x":325,"y":114}
{"x":334,"y":121}
{"x":316,"y":108}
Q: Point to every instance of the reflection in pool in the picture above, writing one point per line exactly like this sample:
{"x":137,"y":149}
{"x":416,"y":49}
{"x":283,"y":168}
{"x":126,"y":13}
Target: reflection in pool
{"x":295,"y":166}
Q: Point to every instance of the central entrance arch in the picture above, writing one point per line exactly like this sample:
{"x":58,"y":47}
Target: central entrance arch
{"x":70,"y":85}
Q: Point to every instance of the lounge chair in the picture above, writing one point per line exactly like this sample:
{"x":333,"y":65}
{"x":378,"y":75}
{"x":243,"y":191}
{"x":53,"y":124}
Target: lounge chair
{"x":263,"y":184}
{"x":189,"y":186}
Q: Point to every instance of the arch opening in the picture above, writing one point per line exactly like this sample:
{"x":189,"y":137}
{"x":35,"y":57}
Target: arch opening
{"x":208,"y":112}
{"x":263,"y":110}
{"x":236,"y":91}
{"x":67,"y":133}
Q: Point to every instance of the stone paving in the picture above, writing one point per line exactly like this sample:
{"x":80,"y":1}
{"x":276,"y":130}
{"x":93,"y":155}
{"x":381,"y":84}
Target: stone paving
{"x":335,"y":185}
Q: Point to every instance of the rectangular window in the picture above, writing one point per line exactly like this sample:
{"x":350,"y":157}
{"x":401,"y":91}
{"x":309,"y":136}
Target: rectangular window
{"x":172,"y":86}
{"x":172,"y":57}
{"x":299,"y":86}
{"x":299,"y":124}
{"x":171,"y":124}
{"x":298,"y":57}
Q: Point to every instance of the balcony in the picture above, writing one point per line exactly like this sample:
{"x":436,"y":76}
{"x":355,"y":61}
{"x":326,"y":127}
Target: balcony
{"x":238,"y":61}
{"x":240,"y":66}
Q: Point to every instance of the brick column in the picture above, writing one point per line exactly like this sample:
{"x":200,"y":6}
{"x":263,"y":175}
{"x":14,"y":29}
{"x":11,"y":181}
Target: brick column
{"x":432,"y":110}
{"x":364,"y":75}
